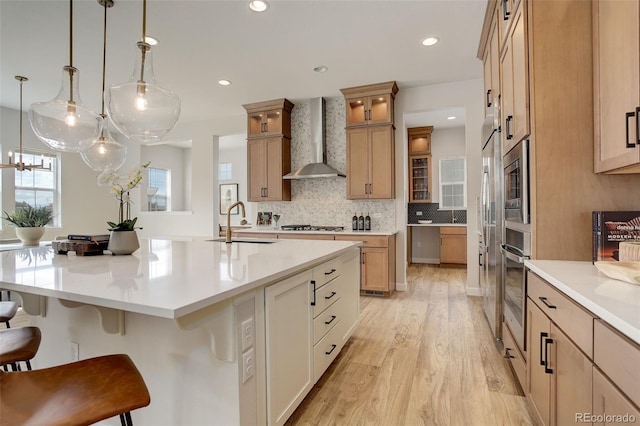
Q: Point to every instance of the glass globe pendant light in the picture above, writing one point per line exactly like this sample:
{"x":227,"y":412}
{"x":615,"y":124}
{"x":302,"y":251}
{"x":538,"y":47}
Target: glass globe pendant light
{"x":65,"y":123}
{"x":106,"y":153}
{"x":140,"y":108}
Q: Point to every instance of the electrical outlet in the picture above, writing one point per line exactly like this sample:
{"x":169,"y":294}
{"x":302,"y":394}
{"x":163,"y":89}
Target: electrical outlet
{"x":418,"y":213}
{"x":248,"y":365}
{"x":248,"y":333}
{"x":75,"y":352}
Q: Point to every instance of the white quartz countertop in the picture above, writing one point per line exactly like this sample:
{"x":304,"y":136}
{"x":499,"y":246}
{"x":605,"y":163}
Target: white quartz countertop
{"x":166,"y":277}
{"x":615,"y":302}
{"x":437,"y":224}
{"x":345,"y":232}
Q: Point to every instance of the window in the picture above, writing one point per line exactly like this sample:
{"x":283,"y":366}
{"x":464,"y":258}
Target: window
{"x":453,"y":188}
{"x":224,"y":171}
{"x":38,"y":188}
{"x":158,"y":190}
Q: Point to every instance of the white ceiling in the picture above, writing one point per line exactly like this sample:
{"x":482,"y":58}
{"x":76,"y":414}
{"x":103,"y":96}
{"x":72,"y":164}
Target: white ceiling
{"x":266,"y":56}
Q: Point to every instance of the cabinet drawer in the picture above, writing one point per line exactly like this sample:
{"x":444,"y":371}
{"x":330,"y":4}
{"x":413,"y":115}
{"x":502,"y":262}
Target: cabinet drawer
{"x":326,"y":272}
{"x":367,"y":240}
{"x":453,"y":230}
{"x":325,"y":296}
{"x":326,"y":321}
{"x":512,"y":353}
{"x":576,"y":323}
{"x":325,"y":351}
{"x":619,"y":358}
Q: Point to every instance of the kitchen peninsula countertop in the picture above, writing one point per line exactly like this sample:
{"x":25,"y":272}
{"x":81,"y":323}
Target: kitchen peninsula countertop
{"x":166,"y":277}
{"x":615,"y":302}
{"x":268,"y":230}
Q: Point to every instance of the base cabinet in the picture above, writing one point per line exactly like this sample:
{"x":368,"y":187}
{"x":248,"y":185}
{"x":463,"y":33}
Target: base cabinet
{"x":610,"y":406}
{"x":453,"y":245}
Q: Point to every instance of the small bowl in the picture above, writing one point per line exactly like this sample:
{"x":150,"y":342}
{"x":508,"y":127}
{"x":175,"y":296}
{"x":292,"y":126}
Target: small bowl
{"x":424,"y":222}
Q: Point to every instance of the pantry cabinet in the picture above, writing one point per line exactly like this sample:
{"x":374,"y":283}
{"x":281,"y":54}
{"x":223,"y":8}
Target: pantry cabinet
{"x":616,"y":67}
{"x":370,"y":141}
{"x":268,"y":160}
{"x":515,"y":83}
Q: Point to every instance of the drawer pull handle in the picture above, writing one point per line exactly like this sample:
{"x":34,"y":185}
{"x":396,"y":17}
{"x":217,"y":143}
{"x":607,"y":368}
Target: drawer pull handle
{"x":333,"y":347}
{"x":628,"y":115}
{"x":488,"y":99}
{"x":507,"y":353}
{"x":547,"y":342}
{"x":330,"y":272}
{"x":508,"y":125}
{"x":331,"y":320}
{"x":542,"y":336}
{"x":546,"y":303}
{"x":313,"y":292}
{"x":333,"y":293}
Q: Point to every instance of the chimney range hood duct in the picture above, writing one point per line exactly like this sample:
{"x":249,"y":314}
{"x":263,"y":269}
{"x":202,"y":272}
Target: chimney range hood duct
{"x":318,"y":167}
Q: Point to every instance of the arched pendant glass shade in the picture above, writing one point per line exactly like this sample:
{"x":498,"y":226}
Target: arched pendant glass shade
{"x":65,"y":123}
{"x":140,"y":108}
{"x":106,"y":154}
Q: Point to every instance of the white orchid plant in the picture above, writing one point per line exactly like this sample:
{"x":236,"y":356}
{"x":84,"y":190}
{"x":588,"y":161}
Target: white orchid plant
{"x":121,"y":184}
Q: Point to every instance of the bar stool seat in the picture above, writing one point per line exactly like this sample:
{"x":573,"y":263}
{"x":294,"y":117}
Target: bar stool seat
{"x":19,"y":345}
{"x":79,"y":393}
{"x":8,"y":310}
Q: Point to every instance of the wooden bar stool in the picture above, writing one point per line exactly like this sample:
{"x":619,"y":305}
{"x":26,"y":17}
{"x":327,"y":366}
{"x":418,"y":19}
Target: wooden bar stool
{"x":79,"y":393}
{"x":8,"y":311}
{"x":18,"y":345}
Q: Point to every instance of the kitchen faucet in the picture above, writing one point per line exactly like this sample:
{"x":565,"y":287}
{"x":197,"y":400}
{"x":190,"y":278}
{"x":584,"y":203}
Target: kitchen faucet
{"x":228,"y":233}
{"x":453,"y":216}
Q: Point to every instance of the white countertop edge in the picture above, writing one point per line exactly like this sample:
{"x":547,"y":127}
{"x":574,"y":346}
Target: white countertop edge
{"x":629,"y":330}
{"x":345,"y":232}
{"x":437,"y":224}
{"x":183,"y":310}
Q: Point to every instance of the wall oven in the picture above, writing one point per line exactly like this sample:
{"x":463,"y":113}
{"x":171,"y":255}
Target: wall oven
{"x":516,"y":248}
{"x":516,"y":183}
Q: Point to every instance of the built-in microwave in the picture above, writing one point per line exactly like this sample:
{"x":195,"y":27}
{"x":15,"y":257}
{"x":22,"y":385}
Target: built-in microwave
{"x":516,"y":183}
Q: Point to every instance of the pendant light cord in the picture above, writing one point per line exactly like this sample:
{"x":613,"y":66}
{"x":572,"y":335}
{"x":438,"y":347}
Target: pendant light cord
{"x":71,"y":33}
{"x":144,"y":21}
{"x":21,"y":82}
{"x":104,"y":56}
{"x":143,"y":46}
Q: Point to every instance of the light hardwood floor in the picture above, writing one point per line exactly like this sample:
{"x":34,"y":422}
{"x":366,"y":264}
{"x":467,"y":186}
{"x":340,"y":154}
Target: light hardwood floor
{"x":422,"y":357}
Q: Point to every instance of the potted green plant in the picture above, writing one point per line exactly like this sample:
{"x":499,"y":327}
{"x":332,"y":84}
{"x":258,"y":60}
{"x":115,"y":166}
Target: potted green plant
{"x":30,"y":222}
{"x":123,"y":238}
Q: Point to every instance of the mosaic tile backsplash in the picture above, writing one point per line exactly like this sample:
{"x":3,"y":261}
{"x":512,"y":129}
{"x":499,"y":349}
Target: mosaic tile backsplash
{"x":323,"y":201}
{"x":430,"y":212}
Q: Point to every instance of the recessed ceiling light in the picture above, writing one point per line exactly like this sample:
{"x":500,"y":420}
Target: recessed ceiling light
{"x":451,"y":117}
{"x":151,"y":40}
{"x":224,"y":82}
{"x":320,"y":68}
{"x":258,"y":5}
{"x":430,"y":41}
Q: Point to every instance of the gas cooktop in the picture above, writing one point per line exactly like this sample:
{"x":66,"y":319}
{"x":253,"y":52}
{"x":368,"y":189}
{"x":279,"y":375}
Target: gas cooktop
{"x":326,"y":228}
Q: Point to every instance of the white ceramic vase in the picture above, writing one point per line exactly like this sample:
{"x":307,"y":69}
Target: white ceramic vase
{"x":123,"y":242}
{"x":30,"y":235}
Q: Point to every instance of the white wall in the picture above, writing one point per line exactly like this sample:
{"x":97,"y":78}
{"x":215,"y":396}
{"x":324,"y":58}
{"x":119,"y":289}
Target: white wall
{"x":178,"y":161}
{"x":233,"y":149}
{"x":466,"y":94}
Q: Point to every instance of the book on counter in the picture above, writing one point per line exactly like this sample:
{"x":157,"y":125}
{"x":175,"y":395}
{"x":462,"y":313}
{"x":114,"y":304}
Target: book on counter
{"x":610,"y":228}
{"x":92,"y":238}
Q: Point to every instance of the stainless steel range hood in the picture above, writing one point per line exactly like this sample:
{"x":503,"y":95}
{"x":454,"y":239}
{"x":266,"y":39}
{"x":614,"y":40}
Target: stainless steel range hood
{"x":318,"y":167}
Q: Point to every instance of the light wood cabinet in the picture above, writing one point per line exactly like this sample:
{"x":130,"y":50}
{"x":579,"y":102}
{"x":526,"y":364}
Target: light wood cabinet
{"x":370,"y":141}
{"x":270,"y":118}
{"x":268,"y":160}
{"x":453,"y":244}
{"x":419,"y":139}
{"x":491,"y":64}
{"x":515,"y":83}
{"x":616,"y":64}
{"x":560,"y":375}
{"x":370,"y":162}
{"x":269,"y":150}
{"x":609,"y":402}
{"x":289,"y":348}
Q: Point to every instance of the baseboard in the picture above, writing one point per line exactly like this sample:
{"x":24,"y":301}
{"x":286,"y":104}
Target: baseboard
{"x":402,"y":287}
{"x":429,"y":260}
{"x":474,"y":291}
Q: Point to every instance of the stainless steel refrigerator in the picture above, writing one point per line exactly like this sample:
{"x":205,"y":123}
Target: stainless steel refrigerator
{"x":491,"y":224}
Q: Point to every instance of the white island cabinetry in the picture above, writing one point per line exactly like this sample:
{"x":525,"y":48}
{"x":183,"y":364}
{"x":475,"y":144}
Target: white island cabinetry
{"x":196,"y":317}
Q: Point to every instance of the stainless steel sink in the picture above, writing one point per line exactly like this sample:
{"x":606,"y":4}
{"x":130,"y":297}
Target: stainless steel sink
{"x":247,"y":240}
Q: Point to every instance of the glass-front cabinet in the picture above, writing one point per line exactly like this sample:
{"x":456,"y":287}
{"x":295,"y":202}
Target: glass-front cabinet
{"x":367,"y":110}
{"x":420,"y":179}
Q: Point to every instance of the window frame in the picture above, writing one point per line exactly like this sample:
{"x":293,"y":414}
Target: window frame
{"x":54,"y":160}
{"x":463,"y":182}
{"x":167,"y":174}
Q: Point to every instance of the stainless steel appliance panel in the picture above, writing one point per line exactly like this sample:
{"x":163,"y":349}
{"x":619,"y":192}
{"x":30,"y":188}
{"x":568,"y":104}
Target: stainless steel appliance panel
{"x":515,"y":250}
{"x":516,"y":184}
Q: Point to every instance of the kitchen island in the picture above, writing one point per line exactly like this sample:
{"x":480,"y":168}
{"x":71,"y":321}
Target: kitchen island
{"x":191,"y":313}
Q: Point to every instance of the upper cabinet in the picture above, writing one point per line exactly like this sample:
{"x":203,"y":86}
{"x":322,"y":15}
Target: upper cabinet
{"x":270,"y":118}
{"x":491,"y":62}
{"x":515,"y":82}
{"x":370,"y":141}
{"x":616,"y":65}
{"x":419,"y":164}
{"x":269,"y":150}
{"x":419,"y":140}
{"x":371,"y":104}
